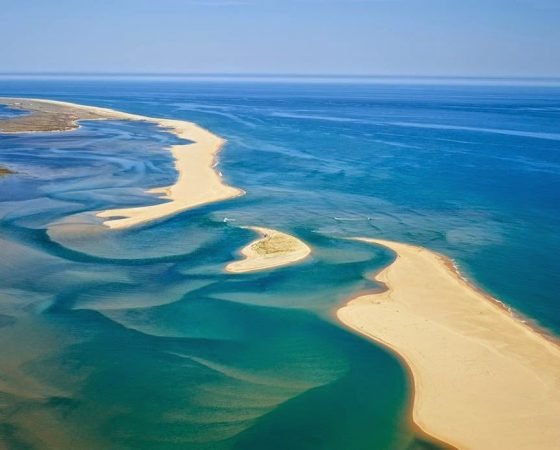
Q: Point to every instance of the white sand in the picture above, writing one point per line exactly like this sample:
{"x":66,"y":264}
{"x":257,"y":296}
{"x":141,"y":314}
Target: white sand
{"x":272,"y":249}
{"x":483,"y":379}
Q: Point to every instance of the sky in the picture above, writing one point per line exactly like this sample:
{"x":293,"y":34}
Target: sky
{"x":504,"y":38}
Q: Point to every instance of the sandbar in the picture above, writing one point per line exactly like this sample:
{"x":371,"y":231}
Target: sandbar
{"x":272,"y":249}
{"x":197,"y":184}
{"x":5,"y":171}
{"x":482,"y":378}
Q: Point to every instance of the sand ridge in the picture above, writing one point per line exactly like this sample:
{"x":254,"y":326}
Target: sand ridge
{"x":198,"y":183}
{"x":272,"y":249}
{"x":482,"y":378}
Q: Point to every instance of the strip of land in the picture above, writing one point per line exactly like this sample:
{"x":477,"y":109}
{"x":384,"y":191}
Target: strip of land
{"x":5,"y":171}
{"x":272,"y":249}
{"x":482,"y":378}
{"x":197,"y":184}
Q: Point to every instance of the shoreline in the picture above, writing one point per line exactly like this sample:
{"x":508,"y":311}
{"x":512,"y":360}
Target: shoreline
{"x":450,"y":334}
{"x":416,"y":429}
{"x":271,"y":250}
{"x":195,"y":162}
{"x":518,"y":317}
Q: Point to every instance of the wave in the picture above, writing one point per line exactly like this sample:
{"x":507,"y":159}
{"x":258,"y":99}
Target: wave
{"x":435,"y":126}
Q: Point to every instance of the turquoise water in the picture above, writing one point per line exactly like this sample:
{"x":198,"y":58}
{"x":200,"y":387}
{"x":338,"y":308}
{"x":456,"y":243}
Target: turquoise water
{"x":137,"y":339}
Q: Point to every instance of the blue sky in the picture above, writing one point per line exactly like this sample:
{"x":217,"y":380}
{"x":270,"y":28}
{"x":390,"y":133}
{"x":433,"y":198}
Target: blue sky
{"x":383,"y":37}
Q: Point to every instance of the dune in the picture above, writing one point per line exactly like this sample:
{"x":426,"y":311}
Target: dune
{"x":197,"y":184}
{"x":272,"y":249}
{"x":482,"y":378}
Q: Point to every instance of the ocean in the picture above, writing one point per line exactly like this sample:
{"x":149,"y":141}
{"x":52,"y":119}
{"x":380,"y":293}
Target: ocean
{"x":137,"y":339}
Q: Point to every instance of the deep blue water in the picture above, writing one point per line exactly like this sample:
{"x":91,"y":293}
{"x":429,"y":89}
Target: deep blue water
{"x":137,"y":339}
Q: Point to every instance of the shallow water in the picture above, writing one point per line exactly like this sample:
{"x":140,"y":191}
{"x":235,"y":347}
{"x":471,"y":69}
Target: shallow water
{"x":137,"y":339}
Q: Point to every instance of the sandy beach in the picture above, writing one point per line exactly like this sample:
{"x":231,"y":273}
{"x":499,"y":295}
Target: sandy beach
{"x":272,"y":249}
{"x":482,"y":378}
{"x":198,"y":183}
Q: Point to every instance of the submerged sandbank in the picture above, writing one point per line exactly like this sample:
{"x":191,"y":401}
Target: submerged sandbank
{"x":197,"y":184}
{"x":272,"y":249}
{"x":482,"y":378}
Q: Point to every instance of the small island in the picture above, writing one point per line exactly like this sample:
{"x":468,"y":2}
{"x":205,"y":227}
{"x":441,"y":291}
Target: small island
{"x":272,"y":249}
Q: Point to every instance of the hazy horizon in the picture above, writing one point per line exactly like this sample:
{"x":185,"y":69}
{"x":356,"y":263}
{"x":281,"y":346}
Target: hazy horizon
{"x":402,"y":38}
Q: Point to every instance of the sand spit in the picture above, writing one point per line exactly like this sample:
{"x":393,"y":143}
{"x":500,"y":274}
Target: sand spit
{"x":198,"y":182}
{"x":272,"y":249}
{"x":482,"y":378}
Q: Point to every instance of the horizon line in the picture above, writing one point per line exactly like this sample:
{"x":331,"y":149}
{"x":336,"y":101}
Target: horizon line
{"x":263,"y":78}
{"x":279,"y":75}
